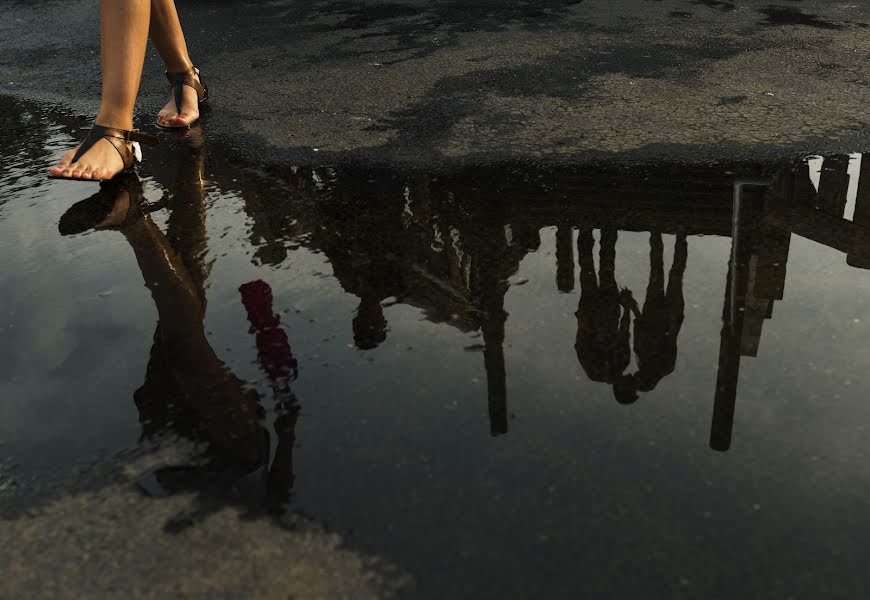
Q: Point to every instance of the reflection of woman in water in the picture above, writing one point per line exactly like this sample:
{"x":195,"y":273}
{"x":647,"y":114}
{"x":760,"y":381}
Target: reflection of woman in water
{"x":603,"y":341}
{"x":187,"y":387}
{"x":125,"y":26}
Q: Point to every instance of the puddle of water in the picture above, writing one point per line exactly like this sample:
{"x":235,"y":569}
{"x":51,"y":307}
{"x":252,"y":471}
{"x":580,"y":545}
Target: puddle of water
{"x":507,"y":382}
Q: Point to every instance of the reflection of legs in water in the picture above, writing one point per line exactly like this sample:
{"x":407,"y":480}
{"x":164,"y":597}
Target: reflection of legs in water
{"x":585,"y":343}
{"x":184,"y":362}
{"x":603,"y":328}
{"x":187,"y":388}
{"x":674,"y":296}
{"x":658,"y":326}
{"x":620,"y":344}
{"x":185,"y":227}
{"x":229,"y":414}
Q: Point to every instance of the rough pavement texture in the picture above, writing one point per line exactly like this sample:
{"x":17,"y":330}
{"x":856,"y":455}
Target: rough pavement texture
{"x":450,"y":81}
{"x":110,"y":541}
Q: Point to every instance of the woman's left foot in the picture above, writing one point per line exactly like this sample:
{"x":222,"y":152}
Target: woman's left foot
{"x":186,"y":93}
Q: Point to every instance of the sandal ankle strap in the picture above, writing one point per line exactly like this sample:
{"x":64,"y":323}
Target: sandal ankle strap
{"x":128,"y":135}
{"x":120,"y":140}
{"x":191,"y":78}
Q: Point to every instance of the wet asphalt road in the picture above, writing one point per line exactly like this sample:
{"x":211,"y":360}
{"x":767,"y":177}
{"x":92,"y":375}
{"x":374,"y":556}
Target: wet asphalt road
{"x":435,"y":83}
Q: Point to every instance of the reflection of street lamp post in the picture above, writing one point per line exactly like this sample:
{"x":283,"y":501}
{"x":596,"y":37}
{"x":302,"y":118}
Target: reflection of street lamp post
{"x":729,"y":349}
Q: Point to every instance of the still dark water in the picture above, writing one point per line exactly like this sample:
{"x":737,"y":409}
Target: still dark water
{"x":508,"y":382}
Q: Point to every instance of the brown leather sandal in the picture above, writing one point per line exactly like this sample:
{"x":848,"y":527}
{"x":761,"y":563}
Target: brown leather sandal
{"x":190,"y":78}
{"x":126,"y":142}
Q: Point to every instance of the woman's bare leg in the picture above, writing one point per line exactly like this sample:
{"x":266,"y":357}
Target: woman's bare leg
{"x":169,"y":40}
{"x":123,"y":37}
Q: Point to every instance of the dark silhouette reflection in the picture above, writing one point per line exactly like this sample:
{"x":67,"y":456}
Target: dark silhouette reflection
{"x":603,"y":342}
{"x":658,"y":325}
{"x":188,"y":390}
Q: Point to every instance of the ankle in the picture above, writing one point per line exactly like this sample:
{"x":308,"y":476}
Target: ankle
{"x":181,"y":65}
{"x":109,"y":118}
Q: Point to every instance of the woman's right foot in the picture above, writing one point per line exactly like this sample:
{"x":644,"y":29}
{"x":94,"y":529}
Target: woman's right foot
{"x":104,"y":153}
{"x":100,"y":162}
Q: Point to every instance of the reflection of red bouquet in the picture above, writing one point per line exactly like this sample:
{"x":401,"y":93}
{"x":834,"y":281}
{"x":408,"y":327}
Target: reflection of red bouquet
{"x":273,"y":347}
{"x":276,"y":359}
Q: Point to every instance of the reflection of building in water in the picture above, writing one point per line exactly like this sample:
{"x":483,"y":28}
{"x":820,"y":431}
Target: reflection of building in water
{"x":449,"y":244}
{"x":764,"y":219}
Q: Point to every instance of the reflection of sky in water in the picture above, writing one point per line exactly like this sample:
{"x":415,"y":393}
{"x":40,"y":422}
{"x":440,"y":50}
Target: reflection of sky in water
{"x":394,"y":444}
